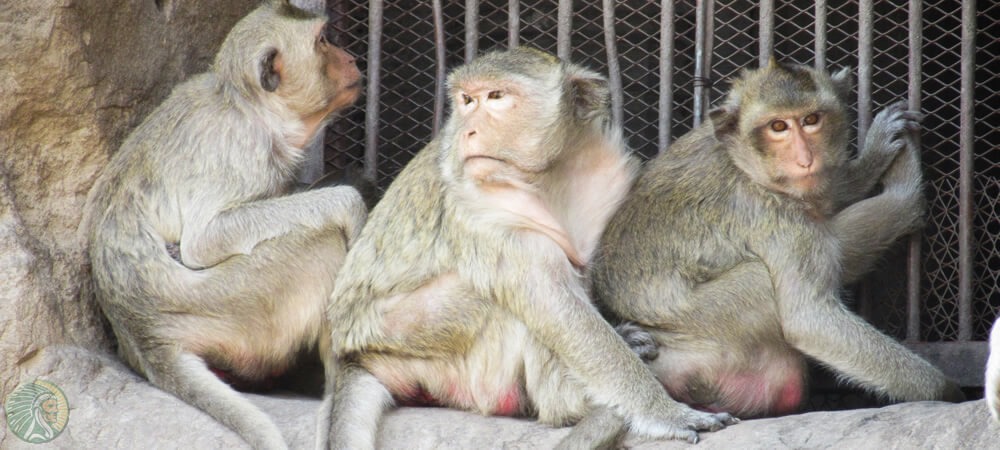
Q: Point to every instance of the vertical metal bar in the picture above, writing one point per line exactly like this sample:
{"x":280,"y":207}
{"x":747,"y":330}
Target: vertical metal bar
{"x":514,"y":24}
{"x":820,"y":44}
{"x":700,"y":72}
{"x":965,"y":205}
{"x":563,"y":29}
{"x":440,"y":68}
{"x":707,"y":55}
{"x":666,"y":72}
{"x":864,"y":67}
{"x":913,"y":269}
{"x":614,"y":69}
{"x":471,"y":29}
{"x":375,"y":14}
{"x":865,"y":23}
{"x":766,"y":32}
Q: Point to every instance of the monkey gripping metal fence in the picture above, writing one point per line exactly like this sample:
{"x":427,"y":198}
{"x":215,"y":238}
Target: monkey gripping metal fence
{"x":669,"y":61}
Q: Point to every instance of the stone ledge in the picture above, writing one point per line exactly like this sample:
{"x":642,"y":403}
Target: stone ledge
{"x":111,"y":407}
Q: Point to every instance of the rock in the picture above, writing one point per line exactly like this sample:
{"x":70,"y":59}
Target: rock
{"x":75,"y":78}
{"x":111,"y":407}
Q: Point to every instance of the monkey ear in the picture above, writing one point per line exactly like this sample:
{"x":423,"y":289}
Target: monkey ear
{"x":270,"y":71}
{"x":724,"y":119}
{"x":591,"y":94}
{"x":843,"y":82}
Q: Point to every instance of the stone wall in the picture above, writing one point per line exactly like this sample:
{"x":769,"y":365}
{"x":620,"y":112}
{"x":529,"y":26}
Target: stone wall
{"x":75,"y":78}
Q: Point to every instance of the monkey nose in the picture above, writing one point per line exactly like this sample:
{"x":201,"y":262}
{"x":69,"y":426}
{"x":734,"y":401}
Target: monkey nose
{"x":469,"y":134}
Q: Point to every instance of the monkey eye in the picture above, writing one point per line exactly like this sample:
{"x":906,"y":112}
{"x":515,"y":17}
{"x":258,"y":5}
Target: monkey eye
{"x":811,"y":119}
{"x":495,"y":95}
{"x":778,"y":125}
{"x":466,"y":98}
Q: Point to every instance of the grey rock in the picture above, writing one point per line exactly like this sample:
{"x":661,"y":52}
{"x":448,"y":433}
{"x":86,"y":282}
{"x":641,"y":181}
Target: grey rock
{"x":111,"y":407}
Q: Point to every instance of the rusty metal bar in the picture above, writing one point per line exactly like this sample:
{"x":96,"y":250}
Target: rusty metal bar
{"x":913,"y":268}
{"x":864,"y":67}
{"x":471,"y":29}
{"x":514,"y":23}
{"x":820,"y":30}
{"x":440,"y":68}
{"x":614,"y":68}
{"x":766,"y":32}
{"x":965,"y":168}
{"x":375,"y":14}
{"x":563,"y":29}
{"x":666,"y":104}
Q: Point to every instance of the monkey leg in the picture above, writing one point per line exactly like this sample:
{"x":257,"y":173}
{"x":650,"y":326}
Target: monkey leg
{"x":248,"y":316}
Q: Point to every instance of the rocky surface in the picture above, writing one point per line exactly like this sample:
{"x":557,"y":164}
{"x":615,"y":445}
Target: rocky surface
{"x":110,"y":407}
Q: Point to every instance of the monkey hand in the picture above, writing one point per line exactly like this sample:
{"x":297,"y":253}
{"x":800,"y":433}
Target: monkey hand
{"x":674,"y":420}
{"x":639,"y":340}
{"x":888,"y":135}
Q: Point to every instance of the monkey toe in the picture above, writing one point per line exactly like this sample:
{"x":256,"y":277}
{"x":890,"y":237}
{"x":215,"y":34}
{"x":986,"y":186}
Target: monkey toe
{"x":639,"y":340}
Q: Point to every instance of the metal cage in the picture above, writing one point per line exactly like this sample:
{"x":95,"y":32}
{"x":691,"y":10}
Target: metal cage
{"x":669,"y":61}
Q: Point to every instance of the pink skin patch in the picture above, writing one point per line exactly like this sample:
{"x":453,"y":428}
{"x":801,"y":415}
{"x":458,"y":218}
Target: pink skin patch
{"x":749,"y":395}
{"x":509,"y":404}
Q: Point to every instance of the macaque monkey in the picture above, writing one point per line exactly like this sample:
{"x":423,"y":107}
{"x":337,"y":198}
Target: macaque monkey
{"x":465,"y":288}
{"x":992,"y":389}
{"x":205,"y":176}
{"x":734,"y":243}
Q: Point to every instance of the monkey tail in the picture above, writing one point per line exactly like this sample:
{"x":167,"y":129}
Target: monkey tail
{"x":186,"y":376}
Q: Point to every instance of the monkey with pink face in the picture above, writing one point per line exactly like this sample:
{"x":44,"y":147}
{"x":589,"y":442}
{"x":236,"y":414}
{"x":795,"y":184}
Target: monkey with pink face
{"x":466,"y":287}
{"x":734,"y":243}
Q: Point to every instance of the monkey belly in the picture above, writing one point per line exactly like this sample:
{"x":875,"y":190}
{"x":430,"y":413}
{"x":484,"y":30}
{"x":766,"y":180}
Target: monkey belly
{"x":505,"y":372}
{"x":769,"y":382}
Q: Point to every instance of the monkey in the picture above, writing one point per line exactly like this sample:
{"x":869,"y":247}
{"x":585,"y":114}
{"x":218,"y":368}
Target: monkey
{"x":205,"y":264}
{"x":734,"y":243}
{"x":992,"y":389}
{"x":465,"y":288}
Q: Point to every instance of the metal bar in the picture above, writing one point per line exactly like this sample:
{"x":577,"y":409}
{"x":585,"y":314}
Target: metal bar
{"x":514,"y":24}
{"x":864,"y":67}
{"x":614,"y":68}
{"x":700,"y":74}
{"x":563,"y":29}
{"x":471,"y":29}
{"x":965,"y":205}
{"x":913,"y":269}
{"x":375,"y":14}
{"x":865,"y":16}
{"x":440,"y":68}
{"x":766,"y":32}
{"x":820,"y":44}
{"x":666,"y":72}
{"x":707,"y":56}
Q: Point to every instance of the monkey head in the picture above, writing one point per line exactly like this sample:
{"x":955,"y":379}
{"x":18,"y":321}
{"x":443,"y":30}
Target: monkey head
{"x":513,"y":111}
{"x":290,"y":66}
{"x":786,"y":126}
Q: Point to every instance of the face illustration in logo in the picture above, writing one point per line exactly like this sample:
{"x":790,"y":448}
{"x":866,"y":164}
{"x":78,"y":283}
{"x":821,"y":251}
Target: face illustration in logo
{"x":37,"y":411}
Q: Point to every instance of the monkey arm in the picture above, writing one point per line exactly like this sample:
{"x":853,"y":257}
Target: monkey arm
{"x":816,"y":322}
{"x":866,"y":228}
{"x":550,"y":300}
{"x":239,"y":229}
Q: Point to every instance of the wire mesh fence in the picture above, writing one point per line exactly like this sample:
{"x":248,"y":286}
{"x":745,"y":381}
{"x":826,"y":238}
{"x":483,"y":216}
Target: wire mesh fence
{"x":673,"y":60}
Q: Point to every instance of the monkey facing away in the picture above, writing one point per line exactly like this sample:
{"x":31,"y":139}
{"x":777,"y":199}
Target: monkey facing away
{"x":465,"y":287}
{"x":205,"y":174}
{"x":733,"y":244}
{"x":992,"y":385}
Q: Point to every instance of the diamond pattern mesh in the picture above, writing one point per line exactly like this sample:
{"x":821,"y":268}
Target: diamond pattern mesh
{"x":407,"y":97}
